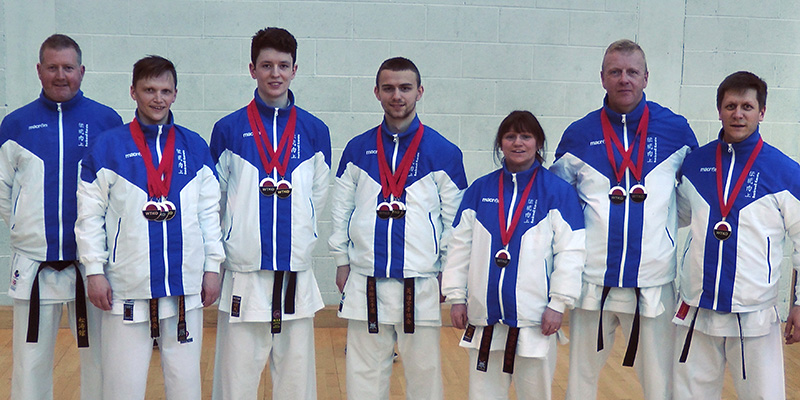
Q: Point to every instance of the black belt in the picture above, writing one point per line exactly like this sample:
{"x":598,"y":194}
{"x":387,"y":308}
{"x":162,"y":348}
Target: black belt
{"x":633,"y":340}
{"x":155,"y":325}
{"x":688,"y":341}
{"x":81,"y":321}
{"x":291,"y":290}
{"x":486,"y":343}
{"x":408,"y":305}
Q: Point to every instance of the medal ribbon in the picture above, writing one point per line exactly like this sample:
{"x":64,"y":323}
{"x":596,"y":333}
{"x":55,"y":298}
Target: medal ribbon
{"x":262,"y":140}
{"x":610,"y":136}
{"x":726,"y":205}
{"x":506,"y":232}
{"x":158,"y":180}
{"x":395,"y":184}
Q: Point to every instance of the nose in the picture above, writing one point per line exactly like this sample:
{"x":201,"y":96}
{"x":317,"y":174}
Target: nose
{"x":274,"y":70}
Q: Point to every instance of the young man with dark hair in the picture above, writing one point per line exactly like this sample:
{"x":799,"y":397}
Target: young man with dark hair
{"x":623,"y":160}
{"x":741,"y":199}
{"x":273,"y":160}
{"x":396,"y":193}
{"x":148,"y":232}
{"x":41,"y":145}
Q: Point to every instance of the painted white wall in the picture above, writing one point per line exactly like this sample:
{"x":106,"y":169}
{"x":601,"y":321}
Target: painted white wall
{"x":480,"y":59}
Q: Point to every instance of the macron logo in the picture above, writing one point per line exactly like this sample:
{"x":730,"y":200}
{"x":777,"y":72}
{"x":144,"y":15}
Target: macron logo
{"x":38,"y":126}
{"x":490,"y":200}
{"x":131,"y":155}
{"x":708,"y":169}
{"x":597,"y":142}
{"x":371,"y":152}
{"x":247,"y":134}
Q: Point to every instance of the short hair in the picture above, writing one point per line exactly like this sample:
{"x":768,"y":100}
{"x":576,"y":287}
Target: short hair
{"x":152,"y":67}
{"x":624,"y":46}
{"x":520,"y":121}
{"x":273,"y":38}
{"x":60,"y":42}
{"x":399,"y":64}
{"x":740,"y":82}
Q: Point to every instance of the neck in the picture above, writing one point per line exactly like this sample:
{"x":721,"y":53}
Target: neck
{"x":514,"y":168}
{"x":147,"y":121}
{"x":278,"y":102}
{"x":399,"y":126}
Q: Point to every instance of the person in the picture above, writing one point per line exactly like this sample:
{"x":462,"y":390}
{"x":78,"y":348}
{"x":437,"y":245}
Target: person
{"x":41,"y":145}
{"x":741,"y":199}
{"x":396,"y":193}
{"x":514,"y":265}
{"x":148,"y":232}
{"x":273,"y":160}
{"x":623,"y":160}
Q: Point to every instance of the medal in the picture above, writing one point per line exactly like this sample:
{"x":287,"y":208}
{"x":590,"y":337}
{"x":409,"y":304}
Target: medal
{"x":271,"y":158}
{"x":502,"y":258}
{"x":617,"y":194}
{"x":507,"y":226}
{"x":384,"y":210}
{"x":151,"y":210}
{"x":284,"y":189}
{"x":393,"y":184}
{"x":637,"y":192}
{"x":267,"y":186}
{"x":158,"y":179}
{"x":170,"y":208}
{"x":398,"y":209}
{"x":722,"y":229}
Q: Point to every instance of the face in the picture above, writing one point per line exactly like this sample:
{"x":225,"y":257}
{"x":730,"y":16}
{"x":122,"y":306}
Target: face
{"x":740,"y":115}
{"x":398,"y":93}
{"x":273,"y":72}
{"x":624,"y":78}
{"x":60,"y":73}
{"x":154,"y":96}
{"x":519,"y":150}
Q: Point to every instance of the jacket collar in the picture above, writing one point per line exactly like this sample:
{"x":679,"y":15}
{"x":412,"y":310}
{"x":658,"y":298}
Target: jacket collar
{"x":265,"y":109}
{"x":633,"y":116}
{"x":408,"y":132}
{"x":746,"y":145}
{"x":152,"y":130}
{"x":65,"y":105}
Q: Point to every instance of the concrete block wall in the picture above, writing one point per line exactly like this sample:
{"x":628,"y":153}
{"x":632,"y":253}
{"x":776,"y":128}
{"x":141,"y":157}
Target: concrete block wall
{"x":479,"y":60}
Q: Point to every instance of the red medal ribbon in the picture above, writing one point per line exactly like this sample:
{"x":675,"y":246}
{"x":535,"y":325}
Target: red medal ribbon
{"x":395,"y":184}
{"x":506,"y":232}
{"x":262,"y":140}
{"x":726,"y":205}
{"x":641,"y":133}
{"x":158,"y":180}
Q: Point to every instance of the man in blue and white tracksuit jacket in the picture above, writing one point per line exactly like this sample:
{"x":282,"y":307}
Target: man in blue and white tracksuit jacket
{"x":41,"y":145}
{"x":544,"y":272}
{"x":264,"y":236}
{"x":630,"y":246}
{"x":729,"y":287}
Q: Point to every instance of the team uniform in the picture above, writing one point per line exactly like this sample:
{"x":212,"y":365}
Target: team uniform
{"x":544,"y":270}
{"x":630,"y":246}
{"x":729,"y":287}
{"x":399,"y":258}
{"x":269,"y":241}
{"x":41,"y":145}
{"x":150,"y":259}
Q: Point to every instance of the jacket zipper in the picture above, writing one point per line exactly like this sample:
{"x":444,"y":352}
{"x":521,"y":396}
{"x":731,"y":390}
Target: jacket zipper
{"x":509,"y":217}
{"x":396,"y":141}
{"x":719,"y":248}
{"x":60,"y":182}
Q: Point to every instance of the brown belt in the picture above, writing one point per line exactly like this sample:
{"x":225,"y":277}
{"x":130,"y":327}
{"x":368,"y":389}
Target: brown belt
{"x":408,"y":305}
{"x":81,"y":321}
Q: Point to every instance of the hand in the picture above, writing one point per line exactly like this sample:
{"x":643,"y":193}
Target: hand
{"x":551,"y":321}
{"x":99,"y":291}
{"x":342,"y":272}
{"x":210,"y":291}
{"x":792,"y":331}
{"x":458,"y":314}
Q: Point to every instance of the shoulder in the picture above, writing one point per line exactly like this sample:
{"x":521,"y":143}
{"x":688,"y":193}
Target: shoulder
{"x":436,"y":141}
{"x":665,"y":119}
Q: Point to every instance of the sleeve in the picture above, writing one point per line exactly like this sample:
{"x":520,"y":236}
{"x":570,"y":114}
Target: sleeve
{"x":322,"y":170}
{"x":7,"y":172}
{"x":789,"y":205}
{"x":456,"y":270}
{"x":684,"y":204}
{"x":569,"y":253}
{"x":208,"y":217}
{"x":90,"y":232}
{"x":561,"y":166}
{"x":342,"y":207}
{"x":451,"y":191}
{"x":221,"y":161}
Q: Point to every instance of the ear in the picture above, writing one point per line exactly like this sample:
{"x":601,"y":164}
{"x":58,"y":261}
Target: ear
{"x":252,"y":69}
{"x":420,"y":90}
{"x":133,"y":94}
{"x":376,"y":93}
{"x":761,"y":114}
